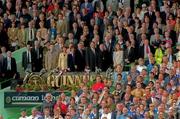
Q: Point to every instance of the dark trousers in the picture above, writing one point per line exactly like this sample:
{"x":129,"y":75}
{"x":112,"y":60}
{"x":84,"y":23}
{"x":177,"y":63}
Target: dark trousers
{"x":9,"y":74}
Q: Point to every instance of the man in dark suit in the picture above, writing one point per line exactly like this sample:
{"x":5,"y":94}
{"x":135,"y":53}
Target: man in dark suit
{"x":129,"y":53}
{"x":109,"y":46}
{"x":73,"y":16}
{"x":91,"y":57}
{"x":28,"y":59}
{"x":122,"y":30}
{"x":76,"y":30}
{"x":80,"y":58}
{"x":102,"y":58}
{"x":1,"y":64}
{"x":144,"y":49}
{"x":9,"y":66}
{"x":38,"y":56}
{"x":3,"y":36}
{"x":71,"y":59}
{"x":151,"y":15}
{"x":165,"y":14}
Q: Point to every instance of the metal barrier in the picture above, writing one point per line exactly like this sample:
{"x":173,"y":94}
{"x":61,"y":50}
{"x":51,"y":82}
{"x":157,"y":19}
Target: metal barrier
{"x":5,"y":83}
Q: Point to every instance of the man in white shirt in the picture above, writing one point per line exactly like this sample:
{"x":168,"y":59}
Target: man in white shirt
{"x":23,"y":114}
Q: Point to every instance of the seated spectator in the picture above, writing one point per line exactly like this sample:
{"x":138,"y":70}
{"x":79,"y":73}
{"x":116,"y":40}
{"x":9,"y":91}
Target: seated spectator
{"x":34,"y":114}
{"x":98,"y":86}
{"x":23,"y":114}
{"x":138,"y":91}
{"x":57,"y":114}
{"x":72,"y":113}
{"x":48,"y":103}
{"x":62,"y":105}
{"x":46,"y":114}
{"x":141,"y":65}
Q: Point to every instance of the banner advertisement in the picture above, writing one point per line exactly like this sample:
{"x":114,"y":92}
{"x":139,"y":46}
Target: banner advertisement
{"x":19,"y":99}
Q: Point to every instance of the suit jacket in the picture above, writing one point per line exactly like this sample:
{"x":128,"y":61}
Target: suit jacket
{"x":38,"y":57}
{"x":72,"y":19}
{"x":71,"y":62}
{"x":27,"y":30}
{"x":43,"y":32}
{"x":109,"y":50}
{"x":80,"y":60}
{"x":103,"y":60}
{"x":75,"y":42}
{"x":91,"y":59}
{"x":163,"y":16}
{"x":151,"y":16}
{"x":3,"y":38}
{"x":21,"y":37}
{"x":141,"y":52}
{"x":1,"y":63}
{"x":51,"y":60}
{"x":13,"y":65}
{"x":12,"y":34}
{"x":62,"y":61}
{"x":130,"y":55}
{"x":25,"y":59}
{"x":62,"y":27}
{"x":77,"y":34}
{"x":124,"y":33}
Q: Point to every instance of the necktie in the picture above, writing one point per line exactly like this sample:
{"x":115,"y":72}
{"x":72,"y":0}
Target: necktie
{"x":37,"y":52}
{"x":147,"y":50}
{"x":81,"y":52}
{"x":28,"y":57}
{"x":9,"y":64}
{"x":170,"y":58}
{"x":121,"y":1}
{"x":128,"y":50}
{"x":93,"y":51}
{"x":31,"y":35}
{"x":73,"y":57}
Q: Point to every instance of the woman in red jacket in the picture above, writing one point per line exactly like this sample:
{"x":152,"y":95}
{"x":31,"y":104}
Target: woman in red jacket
{"x":99,"y":85}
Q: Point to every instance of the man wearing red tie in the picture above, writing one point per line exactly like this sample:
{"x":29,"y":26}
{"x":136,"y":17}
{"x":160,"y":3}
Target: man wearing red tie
{"x":147,"y":49}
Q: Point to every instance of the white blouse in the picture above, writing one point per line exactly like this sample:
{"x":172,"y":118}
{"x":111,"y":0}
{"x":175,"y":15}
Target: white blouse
{"x":118,"y":57}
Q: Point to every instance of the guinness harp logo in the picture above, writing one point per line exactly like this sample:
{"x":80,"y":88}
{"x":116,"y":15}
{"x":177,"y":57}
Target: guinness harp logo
{"x":8,"y":100}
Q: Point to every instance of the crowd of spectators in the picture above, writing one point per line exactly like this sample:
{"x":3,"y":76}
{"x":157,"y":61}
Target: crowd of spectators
{"x":141,"y":37}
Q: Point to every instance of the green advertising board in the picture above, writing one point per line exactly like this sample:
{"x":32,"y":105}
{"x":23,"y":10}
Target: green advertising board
{"x":17,"y":99}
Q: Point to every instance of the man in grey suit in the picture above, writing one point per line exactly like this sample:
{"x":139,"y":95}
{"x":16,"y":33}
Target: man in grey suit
{"x":30,"y":33}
